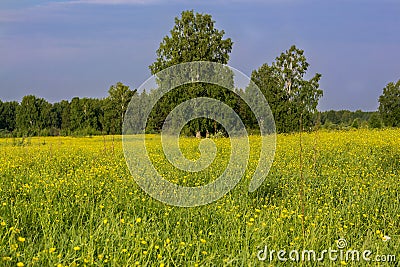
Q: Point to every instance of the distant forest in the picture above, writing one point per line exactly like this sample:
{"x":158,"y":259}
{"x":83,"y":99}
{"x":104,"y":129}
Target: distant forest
{"x":89,"y":116}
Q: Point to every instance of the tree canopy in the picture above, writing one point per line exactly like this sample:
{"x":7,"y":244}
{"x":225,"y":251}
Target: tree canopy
{"x":290,"y":96}
{"x":389,"y":104}
{"x":193,"y":38}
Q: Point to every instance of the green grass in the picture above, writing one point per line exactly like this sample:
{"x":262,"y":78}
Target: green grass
{"x":74,"y":202}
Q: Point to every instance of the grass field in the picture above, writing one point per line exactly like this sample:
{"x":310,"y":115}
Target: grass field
{"x":72,"y":202}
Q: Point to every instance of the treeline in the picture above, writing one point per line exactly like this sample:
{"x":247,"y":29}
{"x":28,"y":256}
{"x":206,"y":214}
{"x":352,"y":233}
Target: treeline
{"x":345,"y":119}
{"x":91,"y":116}
{"x":80,"y":116}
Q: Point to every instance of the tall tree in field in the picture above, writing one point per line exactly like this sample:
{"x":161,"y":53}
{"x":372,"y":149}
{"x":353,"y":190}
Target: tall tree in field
{"x":32,"y":115}
{"x":193,"y":38}
{"x":290,"y":96}
{"x":114,"y":107}
{"x":267,"y":78}
{"x":389,"y":104}
{"x":303,"y":95}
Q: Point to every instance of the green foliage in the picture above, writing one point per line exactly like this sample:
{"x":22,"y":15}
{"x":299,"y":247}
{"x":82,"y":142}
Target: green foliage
{"x":80,"y":117}
{"x":32,"y":115}
{"x":342,"y":119}
{"x":8,"y":112}
{"x":375,"y":121}
{"x":193,"y":38}
{"x":356,"y":123}
{"x":389,"y":104}
{"x":114,"y":107}
{"x":289,"y":95}
{"x":85,"y":116}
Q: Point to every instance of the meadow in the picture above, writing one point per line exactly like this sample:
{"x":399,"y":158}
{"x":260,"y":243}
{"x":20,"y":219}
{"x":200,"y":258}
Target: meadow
{"x":68,"y":201}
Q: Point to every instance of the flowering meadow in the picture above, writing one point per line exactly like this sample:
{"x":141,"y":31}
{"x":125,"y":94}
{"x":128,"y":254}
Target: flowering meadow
{"x":68,"y":201}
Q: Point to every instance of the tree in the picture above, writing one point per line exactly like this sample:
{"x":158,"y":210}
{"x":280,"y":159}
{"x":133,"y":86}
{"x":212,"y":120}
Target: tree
{"x":193,"y":38}
{"x":85,"y":116}
{"x":268,"y":80}
{"x":114,"y":107}
{"x":76,"y":114}
{"x":65,"y":114}
{"x":389,"y":104}
{"x":8,"y":112}
{"x":375,"y":121}
{"x":32,"y":115}
{"x":290,"y":96}
{"x":303,"y":95}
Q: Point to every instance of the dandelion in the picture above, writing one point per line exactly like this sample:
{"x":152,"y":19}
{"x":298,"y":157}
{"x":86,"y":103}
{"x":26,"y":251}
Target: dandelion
{"x":203,"y":241}
{"x":77,"y":248}
{"x":386,"y":238}
{"x":138,"y":220}
{"x":20,"y":264}
{"x":51,"y":250}
{"x":21,"y":239}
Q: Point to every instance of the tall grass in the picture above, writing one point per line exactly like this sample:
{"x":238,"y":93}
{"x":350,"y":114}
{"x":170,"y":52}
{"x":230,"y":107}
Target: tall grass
{"x":72,"y":201}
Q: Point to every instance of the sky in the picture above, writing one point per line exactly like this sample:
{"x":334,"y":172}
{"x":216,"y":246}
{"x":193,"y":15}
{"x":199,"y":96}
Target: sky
{"x":61,"y":49}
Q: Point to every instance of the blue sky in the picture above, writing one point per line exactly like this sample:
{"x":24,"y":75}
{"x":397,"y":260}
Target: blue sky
{"x":61,"y":49}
